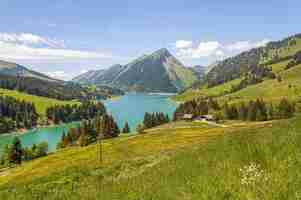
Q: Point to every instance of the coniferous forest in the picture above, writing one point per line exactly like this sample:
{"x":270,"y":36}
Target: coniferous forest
{"x":68,"y":113}
{"x":89,"y":131}
{"x":155,"y":119}
{"x":15,"y":114}
{"x":254,"y":110}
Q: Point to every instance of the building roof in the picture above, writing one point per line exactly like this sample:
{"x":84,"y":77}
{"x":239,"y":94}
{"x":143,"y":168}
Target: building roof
{"x":187,"y":116}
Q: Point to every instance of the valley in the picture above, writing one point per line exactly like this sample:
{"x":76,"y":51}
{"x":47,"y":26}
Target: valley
{"x":156,"y":129}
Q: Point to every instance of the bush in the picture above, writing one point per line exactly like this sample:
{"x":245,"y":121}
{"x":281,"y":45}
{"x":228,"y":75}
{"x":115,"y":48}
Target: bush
{"x":140,"y":129}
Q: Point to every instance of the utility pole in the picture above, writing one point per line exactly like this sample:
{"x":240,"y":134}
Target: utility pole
{"x":100,"y":163}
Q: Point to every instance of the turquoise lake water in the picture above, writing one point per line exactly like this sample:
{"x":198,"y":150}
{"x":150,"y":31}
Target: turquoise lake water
{"x":130,"y":107}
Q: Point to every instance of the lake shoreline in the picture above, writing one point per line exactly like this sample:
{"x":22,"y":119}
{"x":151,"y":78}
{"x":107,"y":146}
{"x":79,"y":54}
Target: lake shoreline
{"x":129,"y":108}
{"x":24,"y":130}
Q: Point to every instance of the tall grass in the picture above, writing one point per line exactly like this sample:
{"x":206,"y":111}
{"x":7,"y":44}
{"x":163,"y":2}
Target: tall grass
{"x":260,"y":163}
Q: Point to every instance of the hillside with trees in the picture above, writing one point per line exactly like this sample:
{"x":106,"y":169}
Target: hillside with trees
{"x":68,"y":113}
{"x":89,"y":131}
{"x":15,"y":114}
{"x":277,"y":64}
{"x":254,"y":110}
{"x":254,"y":61}
{"x":57,"y":90}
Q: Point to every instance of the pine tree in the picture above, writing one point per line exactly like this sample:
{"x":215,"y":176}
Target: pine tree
{"x":285,"y":109}
{"x":15,"y":153}
{"x":126,"y":128}
{"x":83,"y":140}
{"x":252,"y":111}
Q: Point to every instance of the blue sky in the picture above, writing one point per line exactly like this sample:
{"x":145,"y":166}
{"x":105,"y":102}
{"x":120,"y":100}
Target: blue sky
{"x":66,"y":37}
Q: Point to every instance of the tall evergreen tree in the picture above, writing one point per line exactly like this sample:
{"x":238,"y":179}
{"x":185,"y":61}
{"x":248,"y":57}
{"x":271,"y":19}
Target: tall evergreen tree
{"x":126,"y":128}
{"x":15,"y":153}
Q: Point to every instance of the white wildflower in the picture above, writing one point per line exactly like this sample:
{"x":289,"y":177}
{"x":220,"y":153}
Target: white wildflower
{"x":252,"y":174}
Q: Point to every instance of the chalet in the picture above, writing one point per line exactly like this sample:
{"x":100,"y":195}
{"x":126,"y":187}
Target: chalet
{"x":188,"y":117}
{"x":205,"y":117}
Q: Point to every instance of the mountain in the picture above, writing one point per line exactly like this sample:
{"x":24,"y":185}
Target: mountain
{"x":157,"y":72}
{"x":16,"y":70}
{"x":199,"y":70}
{"x":17,"y":77}
{"x":268,"y":72}
{"x":252,"y":60}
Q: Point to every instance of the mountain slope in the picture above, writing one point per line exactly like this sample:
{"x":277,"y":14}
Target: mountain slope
{"x":16,"y":77}
{"x":200,"y":70}
{"x":237,"y":66}
{"x":41,"y":103}
{"x":280,"y":58}
{"x":13,"y":69}
{"x":157,"y":72}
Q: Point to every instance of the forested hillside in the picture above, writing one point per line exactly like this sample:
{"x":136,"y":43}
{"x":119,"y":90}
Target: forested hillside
{"x":265,"y":69}
{"x":56,"y":90}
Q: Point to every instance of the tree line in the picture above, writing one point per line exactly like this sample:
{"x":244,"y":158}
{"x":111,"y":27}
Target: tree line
{"x":15,"y":153}
{"x":254,"y":110}
{"x":16,"y":114}
{"x":68,"y":113}
{"x":196,"y":108}
{"x":253,"y":77}
{"x":155,"y":119}
{"x":296,"y":60}
{"x":151,"y":120}
{"x":259,"y":110}
{"x":89,"y":131}
{"x":57,"y":90}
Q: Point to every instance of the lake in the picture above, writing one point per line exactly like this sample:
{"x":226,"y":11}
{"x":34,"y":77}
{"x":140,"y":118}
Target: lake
{"x":130,"y":107}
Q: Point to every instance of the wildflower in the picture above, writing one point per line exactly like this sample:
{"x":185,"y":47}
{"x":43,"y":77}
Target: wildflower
{"x":252,"y":174}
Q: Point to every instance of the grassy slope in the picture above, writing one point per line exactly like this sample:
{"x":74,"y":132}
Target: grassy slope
{"x":269,"y":89}
{"x":187,"y":76}
{"x":179,"y":161}
{"x":272,"y":90}
{"x":202,"y":92}
{"x":41,"y":103}
{"x":284,"y":52}
{"x":267,"y":86}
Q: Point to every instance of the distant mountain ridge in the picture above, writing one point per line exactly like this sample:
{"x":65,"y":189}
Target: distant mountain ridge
{"x":249,"y":61}
{"x":157,"y":72}
{"x":15,"y":70}
{"x":17,"y":77}
{"x":200,"y":70}
{"x":268,"y":71}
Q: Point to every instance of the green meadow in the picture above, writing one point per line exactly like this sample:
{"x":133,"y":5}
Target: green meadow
{"x":184,"y":160}
{"x":41,"y":103}
{"x":270,"y":89}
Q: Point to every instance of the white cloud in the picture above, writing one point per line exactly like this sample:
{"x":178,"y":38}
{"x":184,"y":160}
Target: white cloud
{"x":30,"y":39}
{"x":83,"y":71}
{"x":27,"y":46}
{"x":245,"y":45}
{"x":214,"y":50}
{"x":204,"y":49}
{"x":183,"y":44}
{"x":59,"y":75}
{"x":262,"y":43}
{"x":239,"y":46}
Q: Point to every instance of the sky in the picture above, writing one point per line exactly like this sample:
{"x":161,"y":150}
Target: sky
{"x":64,"y":38}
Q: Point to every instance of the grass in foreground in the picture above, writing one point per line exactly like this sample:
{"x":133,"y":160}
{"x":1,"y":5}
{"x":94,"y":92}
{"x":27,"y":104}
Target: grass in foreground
{"x":247,"y":161}
{"x":41,"y":103}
